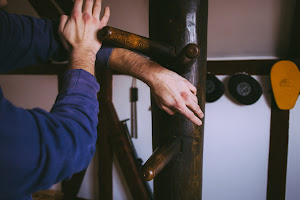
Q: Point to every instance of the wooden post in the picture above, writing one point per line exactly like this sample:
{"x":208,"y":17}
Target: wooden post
{"x":178,"y":23}
{"x":104,"y":144}
{"x":279,"y":133}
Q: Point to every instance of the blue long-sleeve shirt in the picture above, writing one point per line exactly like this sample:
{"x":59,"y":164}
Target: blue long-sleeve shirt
{"x":39,"y":148}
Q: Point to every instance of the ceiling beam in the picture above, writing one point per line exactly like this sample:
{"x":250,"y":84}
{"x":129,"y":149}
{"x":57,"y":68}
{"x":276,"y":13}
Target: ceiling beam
{"x":46,"y":8}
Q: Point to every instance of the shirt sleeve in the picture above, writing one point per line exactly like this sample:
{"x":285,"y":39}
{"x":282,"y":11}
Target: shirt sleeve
{"x":27,"y":40}
{"x":39,"y":148}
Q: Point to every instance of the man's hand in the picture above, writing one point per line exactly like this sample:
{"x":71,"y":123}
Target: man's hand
{"x":172,"y":92}
{"x":79,"y":33}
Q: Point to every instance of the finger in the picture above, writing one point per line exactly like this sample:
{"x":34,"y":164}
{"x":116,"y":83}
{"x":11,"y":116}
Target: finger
{"x":194,"y":98}
{"x":192,"y":88}
{"x":77,"y":8}
{"x":97,"y":9}
{"x":61,"y":27}
{"x":190,"y":115}
{"x":188,"y":95}
{"x":195,"y":108}
{"x":105,"y":17}
{"x":168,"y":110}
{"x":88,"y":6}
{"x":62,"y":23}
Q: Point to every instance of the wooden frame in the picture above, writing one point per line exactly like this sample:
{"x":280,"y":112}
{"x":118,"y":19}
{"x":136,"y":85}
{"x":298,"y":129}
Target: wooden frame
{"x":278,"y":132}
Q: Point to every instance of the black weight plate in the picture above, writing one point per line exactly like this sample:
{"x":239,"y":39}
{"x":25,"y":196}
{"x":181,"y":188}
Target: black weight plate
{"x":244,"y":88}
{"x":214,"y":88}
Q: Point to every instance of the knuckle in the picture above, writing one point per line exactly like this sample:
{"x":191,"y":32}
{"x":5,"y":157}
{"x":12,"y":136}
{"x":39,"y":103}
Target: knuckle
{"x":185,"y":96}
{"x":177,"y":105}
{"x":75,"y":15}
{"x":86,"y":17}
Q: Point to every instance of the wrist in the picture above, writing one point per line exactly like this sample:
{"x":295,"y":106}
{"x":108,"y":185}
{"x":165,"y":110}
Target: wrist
{"x":83,"y":59}
{"x":154,"y":75}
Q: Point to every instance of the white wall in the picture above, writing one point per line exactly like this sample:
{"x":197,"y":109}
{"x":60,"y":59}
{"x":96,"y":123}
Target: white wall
{"x":293,"y":167}
{"x":236,"y":147}
{"x":249,"y":28}
{"x":236,"y":137}
{"x":29,"y":91}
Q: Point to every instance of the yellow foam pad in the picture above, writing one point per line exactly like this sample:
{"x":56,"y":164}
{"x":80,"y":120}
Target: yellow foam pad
{"x":285,"y":81}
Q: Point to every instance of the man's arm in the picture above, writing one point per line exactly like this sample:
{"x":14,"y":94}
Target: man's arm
{"x":37,"y":148}
{"x":172,"y":92}
{"x":27,"y":40}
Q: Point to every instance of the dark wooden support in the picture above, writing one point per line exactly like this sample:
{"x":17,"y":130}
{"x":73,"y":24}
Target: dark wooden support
{"x":279,"y":135}
{"x":71,"y":187}
{"x":252,"y":67}
{"x":112,"y":136}
{"x":124,"y":155}
{"x":104,"y":144}
{"x":65,"y":5}
{"x":44,"y":69}
{"x":178,"y":23}
{"x":46,"y":8}
{"x":295,"y":36}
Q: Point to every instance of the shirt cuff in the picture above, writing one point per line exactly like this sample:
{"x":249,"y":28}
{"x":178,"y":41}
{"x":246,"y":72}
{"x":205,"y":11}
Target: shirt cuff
{"x":103,"y":55}
{"x":80,"y":80}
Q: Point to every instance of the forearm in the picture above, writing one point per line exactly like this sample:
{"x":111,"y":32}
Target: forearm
{"x":27,"y":40}
{"x":48,"y":147}
{"x":81,"y":59}
{"x":133,"y":64}
{"x":172,"y":92}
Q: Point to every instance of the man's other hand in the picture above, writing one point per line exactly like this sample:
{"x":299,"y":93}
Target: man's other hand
{"x":79,"y":33}
{"x":172,"y":92}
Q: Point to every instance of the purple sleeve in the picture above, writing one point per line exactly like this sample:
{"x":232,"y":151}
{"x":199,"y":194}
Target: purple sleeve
{"x":26,"y":40}
{"x":39,"y":148}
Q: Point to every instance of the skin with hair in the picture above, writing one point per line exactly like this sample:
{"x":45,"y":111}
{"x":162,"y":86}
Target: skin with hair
{"x":172,"y":92}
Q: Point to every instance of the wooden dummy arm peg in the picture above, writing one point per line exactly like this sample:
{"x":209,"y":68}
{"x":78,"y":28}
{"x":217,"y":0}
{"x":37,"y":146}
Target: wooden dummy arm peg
{"x":160,"y":158}
{"x":166,"y":55}
{"x":135,"y":42}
